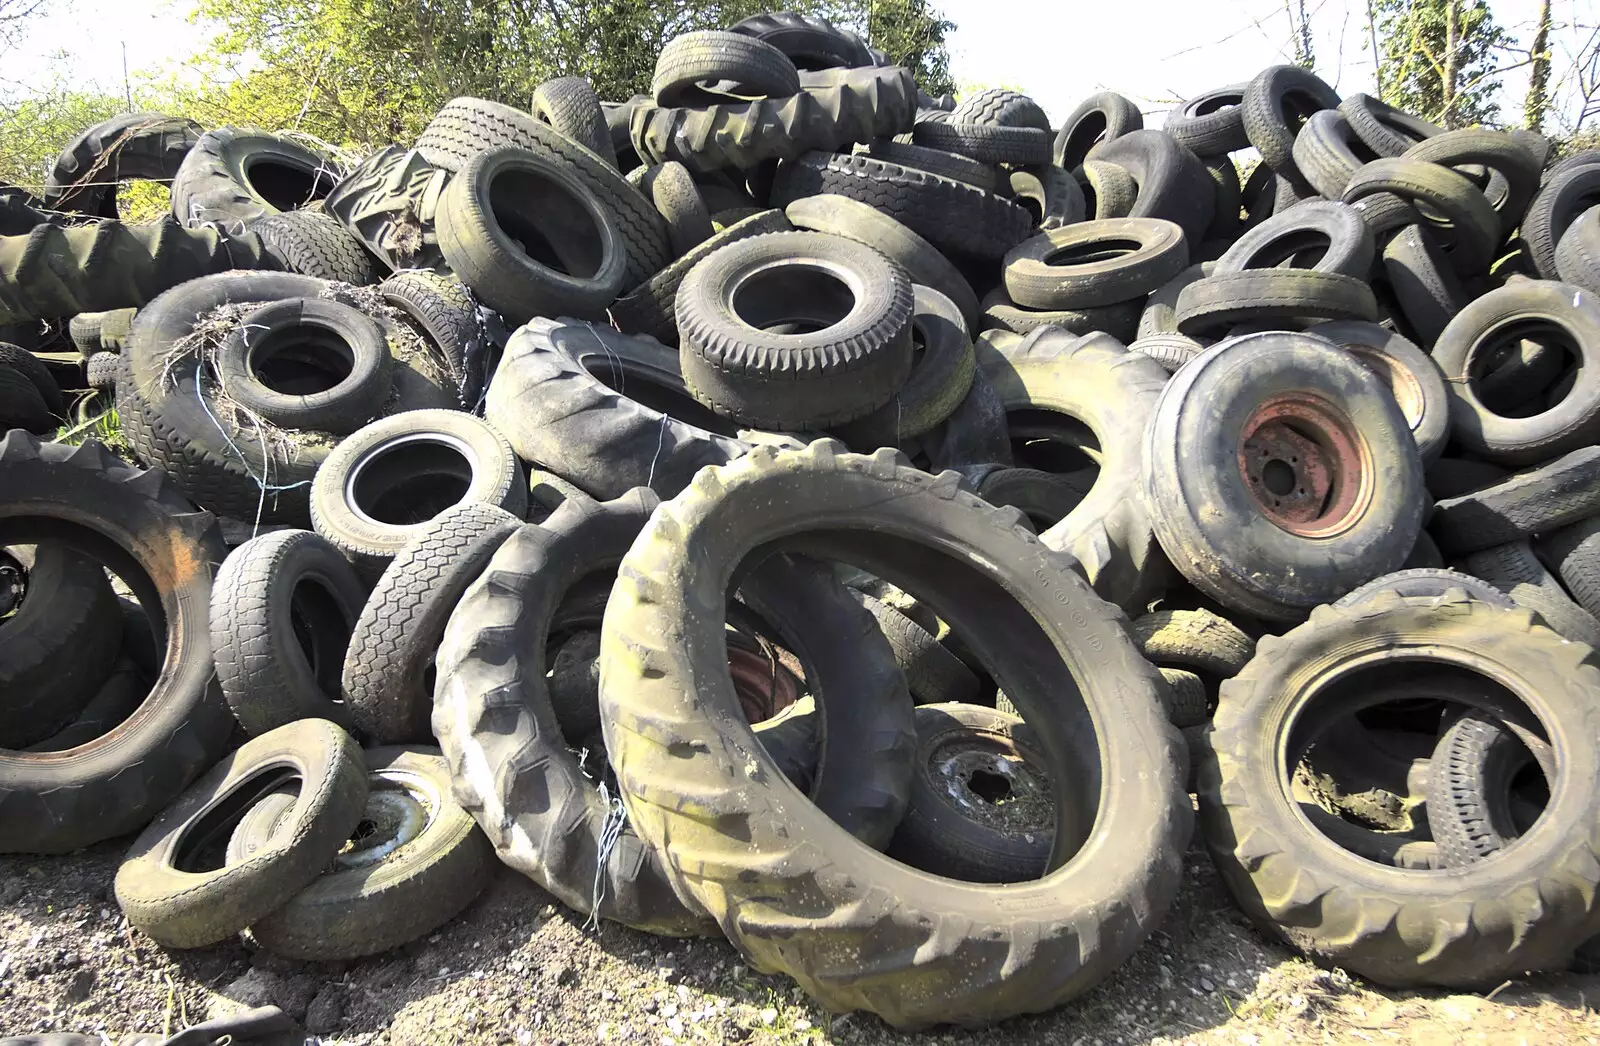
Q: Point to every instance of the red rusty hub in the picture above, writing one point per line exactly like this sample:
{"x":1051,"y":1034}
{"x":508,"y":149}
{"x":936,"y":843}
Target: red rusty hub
{"x":1305,"y":465}
{"x":765,"y":687}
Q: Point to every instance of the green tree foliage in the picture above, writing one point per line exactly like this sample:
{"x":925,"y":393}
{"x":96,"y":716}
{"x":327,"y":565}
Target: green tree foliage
{"x":369,"y":71}
{"x":912,"y":34}
{"x":35,"y":126}
{"x":1414,"y":59}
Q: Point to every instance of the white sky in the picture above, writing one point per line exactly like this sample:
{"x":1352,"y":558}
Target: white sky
{"x":1151,"y":50}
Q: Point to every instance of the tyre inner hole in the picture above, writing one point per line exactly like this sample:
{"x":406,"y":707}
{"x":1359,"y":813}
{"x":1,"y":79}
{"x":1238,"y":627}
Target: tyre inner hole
{"x":1088,"y":133}
{"x":793,"y":298}
{"x":1300,"y":249}
{"x":1216,"y":103}
{"x":1052,"y":442}
{"x":1093,"y":252}
{"x":1297,"y":107}
{"x":203,"y":847}
{"x":395,"y":815}
{"x":13,"y":584}
{"x":321,"y":630}
{"x":1523,"y":369}
{"x":550,"y":224}
{"x":288,"y":186}
{"x":412,"y":481}
{"x":660,"y":393}
{"x":1357,"y":752}
{"x":302,"y":360}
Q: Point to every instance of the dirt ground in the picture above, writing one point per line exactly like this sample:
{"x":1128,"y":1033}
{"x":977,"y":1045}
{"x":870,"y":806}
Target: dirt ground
{"x":517,"y":968}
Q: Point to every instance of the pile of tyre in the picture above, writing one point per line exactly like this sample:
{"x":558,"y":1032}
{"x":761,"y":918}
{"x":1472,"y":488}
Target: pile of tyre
{"x":791,"y":506}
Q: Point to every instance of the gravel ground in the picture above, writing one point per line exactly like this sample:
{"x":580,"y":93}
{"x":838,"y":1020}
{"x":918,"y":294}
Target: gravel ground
{"x":518,"y":968}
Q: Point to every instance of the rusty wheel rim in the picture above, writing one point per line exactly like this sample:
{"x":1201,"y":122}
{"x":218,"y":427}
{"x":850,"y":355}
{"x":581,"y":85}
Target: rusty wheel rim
{"x":765,"y":687}
{"x":1305,"y":465}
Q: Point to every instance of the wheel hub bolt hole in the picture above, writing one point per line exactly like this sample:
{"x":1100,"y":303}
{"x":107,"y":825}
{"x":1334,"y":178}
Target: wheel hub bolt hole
{"x":990,"y":786}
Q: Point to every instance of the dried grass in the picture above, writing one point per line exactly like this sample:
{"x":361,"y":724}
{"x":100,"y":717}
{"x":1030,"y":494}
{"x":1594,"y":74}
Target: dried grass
{"x":197,"y":354}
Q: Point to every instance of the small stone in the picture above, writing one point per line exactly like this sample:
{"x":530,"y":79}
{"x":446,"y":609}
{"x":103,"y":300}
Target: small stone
{"x":769,"y":1015}
{"x":608,"y":995}
{"x":801,"y":1024}
{"x":326,"y":1012}
{"x":667,"y":973}
{"x":651,"y":1006}
{"x":669,"y":1010}
{"x":78,"y":987}
{"x":566,"y":976}
{"x":11,"y":890}
{"x":444,"y":971}
{"x":1207,"y":985}
{"x":675,"y":1025}
{"x":736,"y":972}
{"x":602,"y":1033}
{"x":683,"y":994}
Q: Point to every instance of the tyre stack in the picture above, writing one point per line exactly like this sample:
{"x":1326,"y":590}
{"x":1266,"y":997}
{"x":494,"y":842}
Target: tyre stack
{"x":784,"y":506}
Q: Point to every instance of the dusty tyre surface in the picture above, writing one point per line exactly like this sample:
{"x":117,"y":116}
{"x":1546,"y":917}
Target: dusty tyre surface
{"x":1102,"y":117}
{"x":530,"y":237}
{"x":465,"y":127}
{"x":1411,"y":375}
{"x":1525,"y":910}
{"x":980,"y":807}
{"x":1536,"y":501}
{"x":569,"y":104}
{"x":722,"y":854}
{"x":1095,"y":263}
{"x":387,"y":669}
{"x":179,"y":907}
{"x":168,"y":419}
{"x":135,"y":522}
{"x":315,"y":244}
{"x":234,"y":175}
{"x":941,"y":377}
{"x":422,"y":863}
{"x":852,"y":307}
{"x":607,"y":411}
{"x":1562,"y":316}
{"x":385,"y":482}
{"x":1095,"y":383}
{"x":1473,"y":811}
{"x":308,"y":363}
{"x":1280,"y":474}
{"x":842,"y":216}
{"x":951,"y":215}
{"x":282,"y":608}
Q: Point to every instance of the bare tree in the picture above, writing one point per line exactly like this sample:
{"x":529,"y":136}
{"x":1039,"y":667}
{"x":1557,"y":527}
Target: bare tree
{"x":1533,"y":107}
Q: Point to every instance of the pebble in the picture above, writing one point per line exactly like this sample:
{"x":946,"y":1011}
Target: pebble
{"x":801,"y":1024}
{"x":1206,"y":984}
{"x":769,"y":1015}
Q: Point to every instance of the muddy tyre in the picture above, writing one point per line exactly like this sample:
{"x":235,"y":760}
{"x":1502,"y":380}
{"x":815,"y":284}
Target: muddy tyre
{"x":739,"y":853}
{"x":1256,"y":513}
{"x":1525,"y":910}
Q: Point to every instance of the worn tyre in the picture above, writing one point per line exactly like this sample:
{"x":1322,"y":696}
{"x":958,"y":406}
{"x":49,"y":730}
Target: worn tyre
{"x":1280,"y":474}
{"x":1411,"y":375}
{"x":530,"y":237}
{"x":387,"y":668}
{"x":282,"y":609}
{"x":1523,"y":911}
{"x":1101,"y":118}
{"x":235,"y":175}
{"x":385,"y":482}
{"x":1091,"y":381}
{"x":1554,"y":312}
{"x":308,"y":363}
{"x":853,"y":307}
{"x":569,"y":104}
{"x":1097,"y":263}
{"x":180,"y":908}
{"x":422,"y":864}
{"x":165,"y":551}
{"x":755,"y":900}
{"x":314,"y":244}
{"x":604,"y":410}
